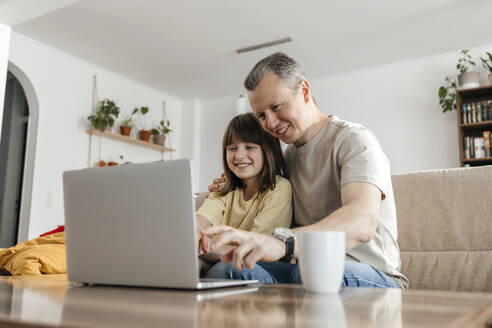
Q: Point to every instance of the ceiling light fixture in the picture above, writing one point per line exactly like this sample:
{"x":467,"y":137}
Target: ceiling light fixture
{"x":264,"y":45}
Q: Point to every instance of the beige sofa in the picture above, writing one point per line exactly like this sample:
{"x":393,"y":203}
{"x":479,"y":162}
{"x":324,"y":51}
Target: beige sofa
{"x":445,"y":228}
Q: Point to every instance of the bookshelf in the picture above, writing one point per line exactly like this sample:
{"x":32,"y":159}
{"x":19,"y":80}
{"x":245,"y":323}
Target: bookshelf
{"x":475,"y":125}
{"x":128,"y":140}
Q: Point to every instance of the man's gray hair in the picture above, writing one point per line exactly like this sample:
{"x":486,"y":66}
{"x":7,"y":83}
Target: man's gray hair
{"x":286,"y":68}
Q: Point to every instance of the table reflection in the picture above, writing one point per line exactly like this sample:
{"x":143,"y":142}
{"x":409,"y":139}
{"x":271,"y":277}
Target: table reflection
{"x":373,"y":307}
{"x":286,"y":307}
{"x":30,"y":303}
{"x":276,"y":306}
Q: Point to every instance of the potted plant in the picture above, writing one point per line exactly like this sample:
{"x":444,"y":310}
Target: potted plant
{"x":105,"y":116}
{"x":487,"y":63}
{"x":144,"y":134}
{"x":160,"y":132}
{"x":467,"y":79}
{"x":127,"y":124}
{"x":447,"y":95}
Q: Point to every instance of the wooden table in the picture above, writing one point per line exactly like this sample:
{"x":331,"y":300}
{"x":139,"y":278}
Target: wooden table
{"x":40,"y":301}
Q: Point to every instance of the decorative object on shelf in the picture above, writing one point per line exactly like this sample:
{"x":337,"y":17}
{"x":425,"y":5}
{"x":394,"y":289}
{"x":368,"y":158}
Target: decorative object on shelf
{"x":447,"y":95}
{"x":102,"y":163}
{"x":144,"y":134}
{"x":160,"y":131}
{"x":127,"y":124}
{"x":467,"y":79}
{"x":487,"y":64}
{"x":105,"y":116}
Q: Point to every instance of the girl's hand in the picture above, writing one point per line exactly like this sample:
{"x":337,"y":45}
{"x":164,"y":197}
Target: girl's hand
{"x":251,"y":247}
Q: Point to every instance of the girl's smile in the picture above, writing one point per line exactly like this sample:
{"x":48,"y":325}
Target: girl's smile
{"x":245,"y":160}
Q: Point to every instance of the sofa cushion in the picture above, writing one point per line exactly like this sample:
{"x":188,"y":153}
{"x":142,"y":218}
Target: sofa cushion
{"x":445,"y":228}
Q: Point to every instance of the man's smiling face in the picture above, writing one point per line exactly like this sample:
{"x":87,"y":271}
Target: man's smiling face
{"x":279,"y":108}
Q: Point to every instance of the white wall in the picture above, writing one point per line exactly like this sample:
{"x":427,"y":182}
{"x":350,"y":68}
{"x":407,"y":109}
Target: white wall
{"x":4,"y":53}
{"x":216,"y":114}
{"x":190,"y":139}
{"x":398,"y":102}
{"x":63,"y":84}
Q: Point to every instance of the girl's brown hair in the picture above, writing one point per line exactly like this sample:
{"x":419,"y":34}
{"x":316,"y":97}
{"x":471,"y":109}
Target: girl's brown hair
{"x":246,"y":128}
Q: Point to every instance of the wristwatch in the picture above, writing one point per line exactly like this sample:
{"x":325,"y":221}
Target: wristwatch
{"x":289,"y":238}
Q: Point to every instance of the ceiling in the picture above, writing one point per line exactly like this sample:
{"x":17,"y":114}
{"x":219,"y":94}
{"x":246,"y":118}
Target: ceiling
{"x":187,"y":48}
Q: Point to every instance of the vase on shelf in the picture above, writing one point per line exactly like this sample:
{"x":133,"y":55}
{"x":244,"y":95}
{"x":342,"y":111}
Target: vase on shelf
{"x":468,"y":80}
{"x":145,"y":135}
{"x":159,"y":139}
{"x":125,"y":130}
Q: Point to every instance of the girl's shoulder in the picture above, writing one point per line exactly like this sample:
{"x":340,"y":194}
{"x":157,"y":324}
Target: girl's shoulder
{"x":282,"y":183}
{"x":281,"y":179}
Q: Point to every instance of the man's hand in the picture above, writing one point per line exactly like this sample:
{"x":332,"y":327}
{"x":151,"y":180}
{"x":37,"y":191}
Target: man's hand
{"x":251,"y":247}
{"x":217,"y":183}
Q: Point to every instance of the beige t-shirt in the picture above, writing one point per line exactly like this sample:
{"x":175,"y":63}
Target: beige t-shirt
{"x":340,"y":153}
{"x":262,"y":213}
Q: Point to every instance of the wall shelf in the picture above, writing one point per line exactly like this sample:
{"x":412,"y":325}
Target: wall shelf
{"x":478,"y":125}
{"x":483,"y":160}
{"x":127,"y":140}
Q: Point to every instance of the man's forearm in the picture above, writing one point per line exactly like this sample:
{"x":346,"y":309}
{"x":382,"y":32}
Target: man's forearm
{"x":359,"y":225}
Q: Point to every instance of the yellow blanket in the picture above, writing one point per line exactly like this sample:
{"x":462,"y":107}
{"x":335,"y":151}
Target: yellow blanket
{"x":37,"y":256}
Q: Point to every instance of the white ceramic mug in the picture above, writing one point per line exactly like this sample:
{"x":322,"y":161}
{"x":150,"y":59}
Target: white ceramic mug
{"x":322,"y":260}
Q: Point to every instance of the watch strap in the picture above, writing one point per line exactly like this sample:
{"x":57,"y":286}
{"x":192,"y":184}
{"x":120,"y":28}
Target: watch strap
{"x":289,"y":250}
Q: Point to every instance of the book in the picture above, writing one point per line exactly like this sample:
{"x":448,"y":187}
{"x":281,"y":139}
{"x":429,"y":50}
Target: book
{"x":472,"y":147}
{"x":479,"y":112}
{"x":479,"y":147}
{"x":486,"y":139}
{"x":468,"y":113}
{"x":466,"y":148}
{"x":489,"y":109}
{"x":485,"y":112}
{"x":463,"y":113}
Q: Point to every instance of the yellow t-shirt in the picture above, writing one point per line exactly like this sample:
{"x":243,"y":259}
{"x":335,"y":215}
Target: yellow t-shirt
{"x":262,"y":213}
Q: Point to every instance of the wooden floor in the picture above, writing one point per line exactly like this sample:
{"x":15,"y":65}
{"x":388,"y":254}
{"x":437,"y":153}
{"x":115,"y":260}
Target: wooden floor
{"x":51,"y":301}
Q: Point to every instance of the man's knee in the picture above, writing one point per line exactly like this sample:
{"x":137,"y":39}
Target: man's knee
{"x":222,"y":270}
{"x":363,"y":275}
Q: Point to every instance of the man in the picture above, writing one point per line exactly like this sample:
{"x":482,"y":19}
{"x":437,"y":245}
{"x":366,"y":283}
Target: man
{"x":340,"y":179}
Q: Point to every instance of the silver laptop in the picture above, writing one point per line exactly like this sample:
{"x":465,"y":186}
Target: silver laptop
{"x":134,"y":225}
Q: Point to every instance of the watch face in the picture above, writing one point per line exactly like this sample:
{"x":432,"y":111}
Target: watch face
{"x":284,"y":232}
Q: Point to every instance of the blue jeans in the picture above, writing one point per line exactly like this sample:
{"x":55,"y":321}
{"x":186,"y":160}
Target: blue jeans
{"x":355,"y":275}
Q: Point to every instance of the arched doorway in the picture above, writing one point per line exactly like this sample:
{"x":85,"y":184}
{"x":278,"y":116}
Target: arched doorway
{"x":17,"y":148}
{"x":12,"y":153}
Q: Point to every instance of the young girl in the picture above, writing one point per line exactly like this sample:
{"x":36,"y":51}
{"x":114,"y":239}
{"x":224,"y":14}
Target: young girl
{"x":256,"y":195}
